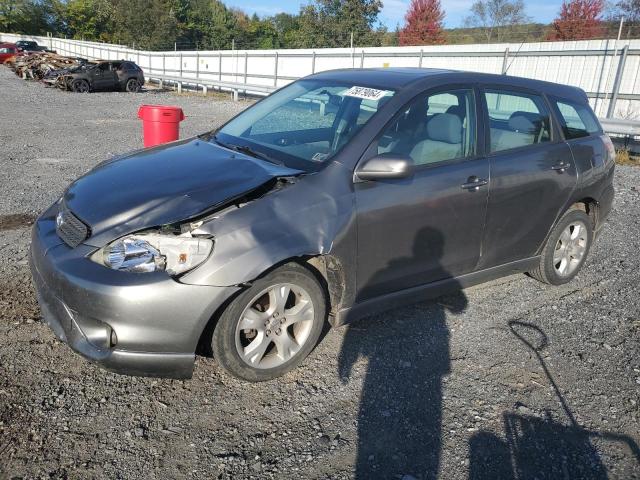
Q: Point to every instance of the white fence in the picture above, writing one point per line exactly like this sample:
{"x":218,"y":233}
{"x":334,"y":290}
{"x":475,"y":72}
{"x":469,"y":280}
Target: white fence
{"x":605,"y":69}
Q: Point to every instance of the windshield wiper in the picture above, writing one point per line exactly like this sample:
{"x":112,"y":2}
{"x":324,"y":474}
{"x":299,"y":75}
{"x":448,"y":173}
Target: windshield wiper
{"x":248,"y":151}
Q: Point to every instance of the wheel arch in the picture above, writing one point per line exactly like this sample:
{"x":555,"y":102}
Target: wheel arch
{"x":326,"y":268}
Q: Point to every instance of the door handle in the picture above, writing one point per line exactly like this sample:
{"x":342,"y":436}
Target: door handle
{"x":560,"y":167}
{"x":474,"y":183}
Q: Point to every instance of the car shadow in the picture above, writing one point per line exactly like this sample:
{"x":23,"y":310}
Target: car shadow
{"x":407,"y":356}
{"x":537,"y":446}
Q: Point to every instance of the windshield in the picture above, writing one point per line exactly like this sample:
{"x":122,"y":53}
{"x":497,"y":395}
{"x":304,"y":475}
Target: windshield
{"x":304,"y":124}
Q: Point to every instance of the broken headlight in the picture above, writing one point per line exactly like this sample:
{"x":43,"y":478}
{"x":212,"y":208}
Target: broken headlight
{"x":149,"y":252}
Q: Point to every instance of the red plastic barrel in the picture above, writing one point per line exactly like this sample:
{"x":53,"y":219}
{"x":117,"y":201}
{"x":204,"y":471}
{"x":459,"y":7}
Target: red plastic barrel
{"x":160,"y":123}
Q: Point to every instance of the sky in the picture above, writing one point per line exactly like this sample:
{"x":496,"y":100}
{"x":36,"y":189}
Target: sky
{"x":393,"y":11}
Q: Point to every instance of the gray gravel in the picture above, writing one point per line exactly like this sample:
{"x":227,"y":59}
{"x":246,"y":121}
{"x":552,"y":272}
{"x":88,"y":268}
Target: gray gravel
{"x":453,"y":387}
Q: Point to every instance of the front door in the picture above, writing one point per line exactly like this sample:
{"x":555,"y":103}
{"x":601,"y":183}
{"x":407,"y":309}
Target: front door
{"x":428,"y":227}
{"x":103,"y":78}
{"x":532,"y":175}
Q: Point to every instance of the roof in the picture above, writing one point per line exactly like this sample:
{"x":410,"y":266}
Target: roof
{"x":394,"y":78}
{"x":399,"y":78}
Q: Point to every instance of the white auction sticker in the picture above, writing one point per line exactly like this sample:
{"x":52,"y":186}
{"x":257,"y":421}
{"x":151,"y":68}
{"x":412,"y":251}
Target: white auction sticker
{"x":365,"y":93}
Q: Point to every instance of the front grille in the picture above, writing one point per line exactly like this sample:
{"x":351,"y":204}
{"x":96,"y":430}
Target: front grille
{"x":70,"y":228}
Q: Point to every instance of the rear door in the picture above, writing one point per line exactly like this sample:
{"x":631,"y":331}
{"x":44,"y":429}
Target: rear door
{"x":428,"y":227}
{"x":532,"y":174}
{"x":583,"y":134}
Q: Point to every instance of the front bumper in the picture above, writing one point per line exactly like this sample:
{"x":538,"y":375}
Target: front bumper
{"x":157,"y":321}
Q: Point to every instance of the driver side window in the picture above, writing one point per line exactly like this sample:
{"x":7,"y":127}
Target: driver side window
{"x":434,"y":128}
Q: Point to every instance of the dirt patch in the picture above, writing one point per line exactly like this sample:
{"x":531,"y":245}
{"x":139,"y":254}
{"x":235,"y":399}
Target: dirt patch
{"x":16,"y":221}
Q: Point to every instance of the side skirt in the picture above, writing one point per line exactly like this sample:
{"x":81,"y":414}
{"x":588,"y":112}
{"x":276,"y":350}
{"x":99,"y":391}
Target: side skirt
{"x":430,"y":291}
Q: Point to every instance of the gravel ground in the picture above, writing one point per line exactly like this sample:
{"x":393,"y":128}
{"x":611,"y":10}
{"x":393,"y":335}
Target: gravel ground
{"x":511,"y":379}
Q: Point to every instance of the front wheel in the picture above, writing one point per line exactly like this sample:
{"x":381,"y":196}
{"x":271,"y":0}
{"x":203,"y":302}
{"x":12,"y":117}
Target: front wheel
{"x":80,"y":86}
{"x":566,"y":249}
{"x":271,"y":327}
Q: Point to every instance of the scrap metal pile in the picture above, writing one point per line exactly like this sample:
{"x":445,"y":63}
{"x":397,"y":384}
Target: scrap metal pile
{"x":50,"y":68}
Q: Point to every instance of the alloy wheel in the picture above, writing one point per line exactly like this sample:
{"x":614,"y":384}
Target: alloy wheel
{"x":570,"y":248}
{"x":274,"y":326}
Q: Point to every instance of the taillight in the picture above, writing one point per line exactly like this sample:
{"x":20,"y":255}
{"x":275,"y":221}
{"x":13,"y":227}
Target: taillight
{"x":611,"y":150}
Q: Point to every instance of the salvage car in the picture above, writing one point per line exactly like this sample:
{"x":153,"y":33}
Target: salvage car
{"x":7,"y":51}
{"x":248,"y":239}
{"x":105,"y":76}
{"x":31,"y":46}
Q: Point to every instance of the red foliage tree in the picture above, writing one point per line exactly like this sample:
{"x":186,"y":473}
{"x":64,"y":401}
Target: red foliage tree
{"x":423,"y":24}
{"x":578,"y":20}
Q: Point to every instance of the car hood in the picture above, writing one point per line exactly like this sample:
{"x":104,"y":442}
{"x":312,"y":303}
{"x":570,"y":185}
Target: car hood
{"x":163,"y":185}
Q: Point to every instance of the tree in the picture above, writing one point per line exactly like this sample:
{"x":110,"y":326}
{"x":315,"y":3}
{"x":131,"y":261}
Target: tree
{"x":89,"y":19}
{"x":150,"y":24}
{"x":26,"y":16}
{"x":423,"y":24}
{"x":578,"y":20}
{"x":331,"y":22}
{"x":496,"y":17}
{"x":629,"y":9}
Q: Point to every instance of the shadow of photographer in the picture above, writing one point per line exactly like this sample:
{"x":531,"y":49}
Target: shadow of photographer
{"x":400,"y":412}
{"x":538,"y":447}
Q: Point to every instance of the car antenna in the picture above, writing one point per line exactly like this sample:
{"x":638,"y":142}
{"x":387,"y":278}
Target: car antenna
{"x":514,"y":57}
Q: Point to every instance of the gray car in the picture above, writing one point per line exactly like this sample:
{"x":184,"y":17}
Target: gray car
{"x":343,"y":194}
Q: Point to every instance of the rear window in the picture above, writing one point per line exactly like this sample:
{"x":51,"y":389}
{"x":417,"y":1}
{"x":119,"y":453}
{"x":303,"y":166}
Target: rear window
{"x":577,"y":120}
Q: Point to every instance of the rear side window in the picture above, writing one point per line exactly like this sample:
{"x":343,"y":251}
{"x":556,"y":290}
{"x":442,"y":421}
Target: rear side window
{"x":516,"y":119}
{"x":577,"y":120}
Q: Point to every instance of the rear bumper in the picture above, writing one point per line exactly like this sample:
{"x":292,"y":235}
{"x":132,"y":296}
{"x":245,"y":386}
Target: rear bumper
{"x":605,"y":205}
{"x":135,"y":324}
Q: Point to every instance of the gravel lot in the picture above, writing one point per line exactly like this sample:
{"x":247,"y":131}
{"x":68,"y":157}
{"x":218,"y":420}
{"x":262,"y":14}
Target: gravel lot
{"x":511,"y":379}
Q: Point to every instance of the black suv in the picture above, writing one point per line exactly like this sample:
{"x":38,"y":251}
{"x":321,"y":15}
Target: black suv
{"x":340,"y":195}
{"x":105,"y":75}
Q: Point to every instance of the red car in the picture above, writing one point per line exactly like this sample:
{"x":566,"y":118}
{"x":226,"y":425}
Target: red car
{"x":8,"y":50}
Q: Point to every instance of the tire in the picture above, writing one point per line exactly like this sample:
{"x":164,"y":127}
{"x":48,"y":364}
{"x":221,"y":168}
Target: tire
{"x":255,"y":341}
{"x":132,"y":85}
{"x":80,"y":86}
{"x":566,"y":249}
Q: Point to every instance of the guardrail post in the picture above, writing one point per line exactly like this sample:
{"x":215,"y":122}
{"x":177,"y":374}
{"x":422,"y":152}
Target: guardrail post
{"x":197,"y":64}
{"x":164,"y":59}
{"x":246,"y":66}
{"x":220,"y":66}
{"x":616,"y":83}
{"x":421,"y":57}
{"x":505,"y":61}
{"x":313,"y":62}
{"x":180,"y":69}
{"x":362,"y":59}
{"x":275,"y":73}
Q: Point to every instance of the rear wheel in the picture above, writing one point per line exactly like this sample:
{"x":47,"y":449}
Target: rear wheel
{"x":80,"y":86}
{"x":271,"y":327}
{"x":566,"y":249}
{"x":133,"y":85}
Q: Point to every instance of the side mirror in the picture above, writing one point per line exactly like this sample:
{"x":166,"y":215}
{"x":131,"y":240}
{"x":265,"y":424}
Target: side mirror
{"x":385,"y":167}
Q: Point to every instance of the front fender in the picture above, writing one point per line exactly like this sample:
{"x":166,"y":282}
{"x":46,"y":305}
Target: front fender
{"x":310,"y":217}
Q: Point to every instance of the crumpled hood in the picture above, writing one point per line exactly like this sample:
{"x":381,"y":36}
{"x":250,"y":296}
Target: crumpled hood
{"x":163,"y":185}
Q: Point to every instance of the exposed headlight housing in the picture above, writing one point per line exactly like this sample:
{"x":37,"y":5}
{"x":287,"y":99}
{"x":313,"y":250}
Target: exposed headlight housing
{"x":150,"y":252}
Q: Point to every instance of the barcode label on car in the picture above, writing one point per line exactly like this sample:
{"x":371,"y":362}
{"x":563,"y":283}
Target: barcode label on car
{"x":366,"y":93}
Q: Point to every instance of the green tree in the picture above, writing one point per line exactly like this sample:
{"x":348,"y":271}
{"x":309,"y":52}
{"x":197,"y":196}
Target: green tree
{"x":89,"y":19}
{"x":149,"y":24}
{"x":26,"y":16}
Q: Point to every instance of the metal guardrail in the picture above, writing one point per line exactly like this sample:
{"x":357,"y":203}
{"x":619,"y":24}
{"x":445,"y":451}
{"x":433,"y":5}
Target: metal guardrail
{"x":629,"y":128}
